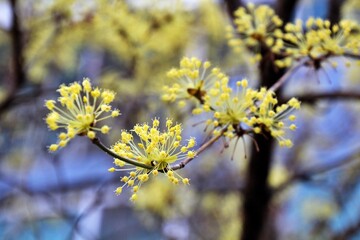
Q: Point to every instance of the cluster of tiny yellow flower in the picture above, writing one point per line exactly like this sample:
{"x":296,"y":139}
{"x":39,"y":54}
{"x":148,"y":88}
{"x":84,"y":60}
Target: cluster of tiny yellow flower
{"x":82,"y":108}
{"x":318,"y":39}
{"x":254,"y":25}
{"x":273,"y":118}
{"x":192,"y":80}
{"x":158,"y":30}
{"x":230,"y":107}
{"x":153,"y":148}
{"x":244,"y":110}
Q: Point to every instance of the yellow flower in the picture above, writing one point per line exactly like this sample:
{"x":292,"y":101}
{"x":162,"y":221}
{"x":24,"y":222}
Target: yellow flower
{"x":192,"y":80}
{"x":245,"y":110}
{"x":81,"y":109}
{"x":254,"y":25}
{"x":154,"y":148}
{"x":270,"y":117}
{"x":230,"y":107}
{"x":318,"y":40}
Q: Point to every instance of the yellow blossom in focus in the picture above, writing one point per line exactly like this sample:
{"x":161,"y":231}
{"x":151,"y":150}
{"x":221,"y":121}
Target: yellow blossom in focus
{"x":230,"y":107}
{"x":192,"y":80}
{"x":154,"y":148}
{"x":273,"y":118}
{"x":81,"y":109}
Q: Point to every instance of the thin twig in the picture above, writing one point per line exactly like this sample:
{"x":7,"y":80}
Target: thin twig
{"x":17,"y":71}
{"x":348,"y":232}
{"x":288,"y":74}
{"x":232,"y":6}
{"x":182,"y":164}
{"x":334,"y":11}
{"x":201,"y":149}
{"x":98,"y":143}
{"x":301,"y":63}
{"x":352,"y":55}
{"x":312,"y":97}
{"x":306,"y":175}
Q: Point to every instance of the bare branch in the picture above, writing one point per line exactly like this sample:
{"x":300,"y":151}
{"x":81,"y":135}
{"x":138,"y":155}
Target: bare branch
{"x":310,"y":98}
{"x":200,"y":150}
{"x":182,"y":164}
{"x":232,"y":6}
{"x":307,"y":174}
{"x":285,"y":9}
{"x":349,"y":232}
{"x":98,"y":143}
{"x":288,"y":74}
{"x":18,"y":73}
{"x":334,"y":10}
{"x":352,"y":55}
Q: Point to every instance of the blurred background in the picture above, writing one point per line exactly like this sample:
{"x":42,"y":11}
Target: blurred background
{"x":128,"y":46}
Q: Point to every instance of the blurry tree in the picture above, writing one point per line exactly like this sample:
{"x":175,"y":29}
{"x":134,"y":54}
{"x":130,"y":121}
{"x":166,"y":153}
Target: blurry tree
{"x":308,"y":191}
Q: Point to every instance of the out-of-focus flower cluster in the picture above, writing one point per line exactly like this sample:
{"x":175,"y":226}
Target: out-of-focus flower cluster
{"x":153,"y":148}
{"x":254,"y":26}
{"x":81,"y":109}
{"x":192,"y":79}
{"x":316,"y":38}
{"x":157,"y":29}
{"x":239,"y":111}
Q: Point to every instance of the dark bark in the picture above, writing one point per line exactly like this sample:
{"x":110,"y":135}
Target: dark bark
{"x":257,"y":195}
{"x":17,"y":48}
{"x":17,"y":71}
{"x":285,"y":9}
{"x":257,"y":191}
{"x":348,"y":233}
{"x":334,"y":11}
{"x":232,"y":6}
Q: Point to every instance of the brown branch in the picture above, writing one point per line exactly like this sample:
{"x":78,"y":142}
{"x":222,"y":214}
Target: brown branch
{"x":307,"y":174}
{"x":334,"y":11}
{"x":180,"y":165}
{"x":24,"y":97}
{"x":257,"y":197}
{"x":311,"y":98}
{"x":352,"y":55}
{"x":200,"y":150}
{"x":99,"y":144}
{"x":62,"y":187}
{"x":17,"y":48}
{"x":303,"y":62}
{"x":285,"y":9}
{"x":18,"y":73}
{"x":349,"y":232}
{"x":232,"y":6}
{"x":257,"y":191}
{"x":288,"y":74}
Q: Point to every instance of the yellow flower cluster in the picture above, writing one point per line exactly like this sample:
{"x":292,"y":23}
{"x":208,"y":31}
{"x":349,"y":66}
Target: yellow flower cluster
{"x":244,"y":110}
{"x":157,"y":30}
{"x":169,"y":201}
{"x":153,"y":148}
{"x":254,"y":25}
{"x":317,"y":40}
{"x":53,"y":27}
{"x":256,"y":109}
{"x":81,"y":108}
{"x":268,"y":116}
{"x":230,"y":107}
{"x":192,"y":80}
